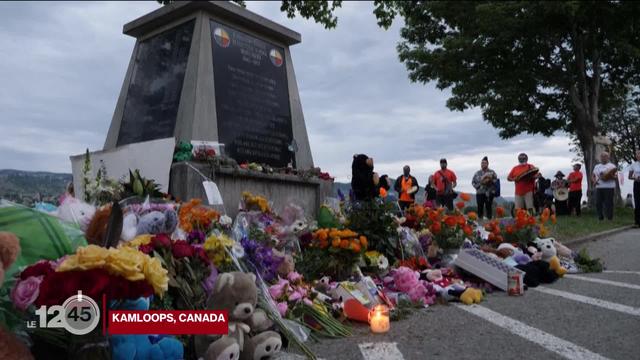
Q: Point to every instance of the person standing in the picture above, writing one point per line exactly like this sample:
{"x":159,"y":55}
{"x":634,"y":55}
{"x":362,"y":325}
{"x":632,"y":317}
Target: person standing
{"x":561,"y":202}
{"x":484,"y":181}
{"x":634,"y":174}
{"x":430,"y":194}
{"x":575,"y":189}
{"x":604,"y":180}
{"x":363,"y":180}
{"x":407,"y":186}
{"x":524,"y":176}
{"x":445,"y":181}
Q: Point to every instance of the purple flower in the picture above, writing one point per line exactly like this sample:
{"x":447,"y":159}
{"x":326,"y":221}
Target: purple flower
{"x":262,"y":258}
{"x":294,"y":277}
{"x":210,"y":282}
{"x":196,"y":236}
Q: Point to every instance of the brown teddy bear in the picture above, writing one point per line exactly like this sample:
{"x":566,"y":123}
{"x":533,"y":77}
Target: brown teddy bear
{"x":10,"y":347}
{"x":237,"y":293}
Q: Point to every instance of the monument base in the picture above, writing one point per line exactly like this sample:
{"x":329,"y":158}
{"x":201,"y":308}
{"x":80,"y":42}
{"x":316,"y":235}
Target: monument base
{"x":186,"y":183}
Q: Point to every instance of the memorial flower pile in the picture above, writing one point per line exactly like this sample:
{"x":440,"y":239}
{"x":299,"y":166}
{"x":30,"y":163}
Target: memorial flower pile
{"x":188,"y":269}
{"x":193,"y":216}
{"x":522,"y":229}
{"x":255,"y":203}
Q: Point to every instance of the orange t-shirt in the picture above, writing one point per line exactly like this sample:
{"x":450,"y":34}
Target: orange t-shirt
{"x":575,"y":186}
{"x":526,"y":185}
{"x":439,"y":182}
{"x":405,"y":186}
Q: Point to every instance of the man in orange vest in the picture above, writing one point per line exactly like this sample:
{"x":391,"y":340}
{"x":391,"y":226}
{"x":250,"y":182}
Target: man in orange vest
{"x":407,"y":187}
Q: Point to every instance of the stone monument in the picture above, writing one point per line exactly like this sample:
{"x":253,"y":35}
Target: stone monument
{"x":214,"y":71}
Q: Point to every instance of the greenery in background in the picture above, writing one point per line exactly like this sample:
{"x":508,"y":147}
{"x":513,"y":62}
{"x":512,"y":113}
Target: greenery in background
{"x":572,"y":227}
{"x":314,"y":263}
{"x":374,"y":219}
{"x":587,"y":264}
{"x":403,"y":309}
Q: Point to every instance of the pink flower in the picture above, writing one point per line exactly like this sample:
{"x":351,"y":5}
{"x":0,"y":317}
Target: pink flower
{"x":277,"y":290}
{"x":417,"y":293}
{"x":295,"y":296}
{"x":294,"y":277}
{"x":405,"y":279}
{"x":282,"y":308}
{"x":307,"y":301}
{"x":25,"y":292}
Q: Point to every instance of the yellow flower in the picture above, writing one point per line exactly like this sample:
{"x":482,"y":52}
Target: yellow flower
{"x":156,"y":275}
{"x":139,"y":240}
{"x":126,"y":262}
{"x":215,"y":247}
{"x":85,"y":258}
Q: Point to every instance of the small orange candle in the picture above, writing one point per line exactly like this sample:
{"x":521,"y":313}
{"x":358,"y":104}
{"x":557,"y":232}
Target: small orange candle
{"x":379,"y":319}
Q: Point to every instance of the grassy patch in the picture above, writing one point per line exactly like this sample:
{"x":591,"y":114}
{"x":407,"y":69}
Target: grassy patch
{"x":571,"y":227}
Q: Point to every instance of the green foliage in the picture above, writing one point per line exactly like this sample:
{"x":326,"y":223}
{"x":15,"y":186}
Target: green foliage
{"x":588,"y":264}
{"x":314,"y":263}
{"x":86,"y":176}
{"x":622,"y":125}
{"x":140,"y":186}
{"x":374,"y":219}
{"x":320,"y":11}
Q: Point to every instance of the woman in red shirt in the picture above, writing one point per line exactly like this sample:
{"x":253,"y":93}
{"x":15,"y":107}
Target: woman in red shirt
{"x":575,"y":189}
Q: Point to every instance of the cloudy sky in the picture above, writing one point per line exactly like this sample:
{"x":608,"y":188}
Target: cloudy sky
{"x":62,"y":66}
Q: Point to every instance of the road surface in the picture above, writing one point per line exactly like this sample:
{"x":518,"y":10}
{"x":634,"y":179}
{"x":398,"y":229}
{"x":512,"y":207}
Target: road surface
{"x":581,"y":317}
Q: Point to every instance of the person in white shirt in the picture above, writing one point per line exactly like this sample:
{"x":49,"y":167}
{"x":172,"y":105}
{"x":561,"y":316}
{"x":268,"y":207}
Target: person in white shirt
{"x":604,"y":187}
{"x":634,"y":174}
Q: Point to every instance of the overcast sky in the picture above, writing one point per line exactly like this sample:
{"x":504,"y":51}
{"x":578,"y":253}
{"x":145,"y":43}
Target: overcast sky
{"x":62,"y":66}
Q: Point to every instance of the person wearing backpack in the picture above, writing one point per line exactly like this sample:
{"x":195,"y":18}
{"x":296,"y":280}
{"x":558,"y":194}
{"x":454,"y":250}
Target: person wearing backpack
{"x":484,"y":181}
{"x":445,"y":181}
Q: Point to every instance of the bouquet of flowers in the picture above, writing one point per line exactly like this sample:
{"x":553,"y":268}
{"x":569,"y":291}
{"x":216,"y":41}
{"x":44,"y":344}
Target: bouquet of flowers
{"x":297,"y":301}
{"x":375,"y":262}
{"x":375,"y":220}
{"x":197,"y":220}
{"x":188,"y":269}
{"x":521,"y":230}
{"x":406,"y":282}
{"x":332,"y":252}
{"x":252,"y":202}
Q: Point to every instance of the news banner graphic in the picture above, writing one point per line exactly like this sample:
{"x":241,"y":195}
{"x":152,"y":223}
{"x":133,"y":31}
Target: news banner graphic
{"x":80,"y":315}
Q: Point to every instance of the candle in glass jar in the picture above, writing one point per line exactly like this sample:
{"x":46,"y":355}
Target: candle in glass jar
{"x":379,"y":319}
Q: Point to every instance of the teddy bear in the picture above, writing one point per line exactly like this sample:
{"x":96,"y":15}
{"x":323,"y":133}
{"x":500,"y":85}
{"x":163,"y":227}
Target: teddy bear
{"x":75,"y":211}
{"x":157,"y":222}
{"x":451,"y":290}
{"x":143,"y":347}
{"x":549,"y":254}
{"x":10,"y":347}
{"x":237,"y":293}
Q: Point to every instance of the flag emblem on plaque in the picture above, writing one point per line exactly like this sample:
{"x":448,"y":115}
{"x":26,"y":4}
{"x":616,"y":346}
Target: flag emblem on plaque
{"x":276,"y":57}
{"x":222,"y":37}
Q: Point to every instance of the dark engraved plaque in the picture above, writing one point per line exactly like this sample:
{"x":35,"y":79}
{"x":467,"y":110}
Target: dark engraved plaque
{"x":252,"y":97}
{"x":156,"y":84}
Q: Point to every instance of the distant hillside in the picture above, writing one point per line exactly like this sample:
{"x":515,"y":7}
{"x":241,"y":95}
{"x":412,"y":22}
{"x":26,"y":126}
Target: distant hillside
{"x":26,"y":187}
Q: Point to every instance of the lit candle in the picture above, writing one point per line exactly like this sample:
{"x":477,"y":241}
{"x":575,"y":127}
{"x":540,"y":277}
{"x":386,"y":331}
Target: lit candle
{"x":379,"y":319}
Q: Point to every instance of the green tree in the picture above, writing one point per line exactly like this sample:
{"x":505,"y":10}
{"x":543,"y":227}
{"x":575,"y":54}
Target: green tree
{"x":622,"y":126}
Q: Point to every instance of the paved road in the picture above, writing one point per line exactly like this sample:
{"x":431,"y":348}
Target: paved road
{"x":586,"y":316}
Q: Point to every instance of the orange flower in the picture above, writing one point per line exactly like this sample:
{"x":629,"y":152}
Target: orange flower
{"x":496,"y":229}
{"x":488,"y":226}
{"x":473,"y":216}
{"x":492,"y":236}
{"x":363,"y":240}
{"x":434,"y":216}
{"x":355,"y":247}
{"x":467,"y":230}
{"x":460,"y":205}
{"x":344,"y":244}
{"x":499,"y":239}
{"x":335,"y":242}
{"x":500,"y":211}
{"x":531,"y":220}
{"x":461,"y":220}
{"x":509,"y":229}
{"x":521,"y":214}
{"x":322,"y":235}
{"x":324,"y":244}
{"x":520,"y":223}
{"x":450,"y":221}
{"x":435,"y":228}
{"x":465,"y":196}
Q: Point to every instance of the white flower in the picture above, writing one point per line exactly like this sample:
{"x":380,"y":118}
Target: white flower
{"x":383,"y":262}
{"x":225,"y":220}
{"x":237,"y":250}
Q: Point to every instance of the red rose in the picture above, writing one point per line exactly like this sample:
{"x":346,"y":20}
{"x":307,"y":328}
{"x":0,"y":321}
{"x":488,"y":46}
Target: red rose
{"x":147,"y":249}
{"x":202,"y":255}
{"x":41,"y":268}
{"x":161,"y":241}
{"x":182,"y":249}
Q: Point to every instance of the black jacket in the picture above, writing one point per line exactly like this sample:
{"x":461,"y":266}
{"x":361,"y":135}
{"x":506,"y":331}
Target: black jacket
{"x":398,"y":186}
{"x":362,"y":179}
